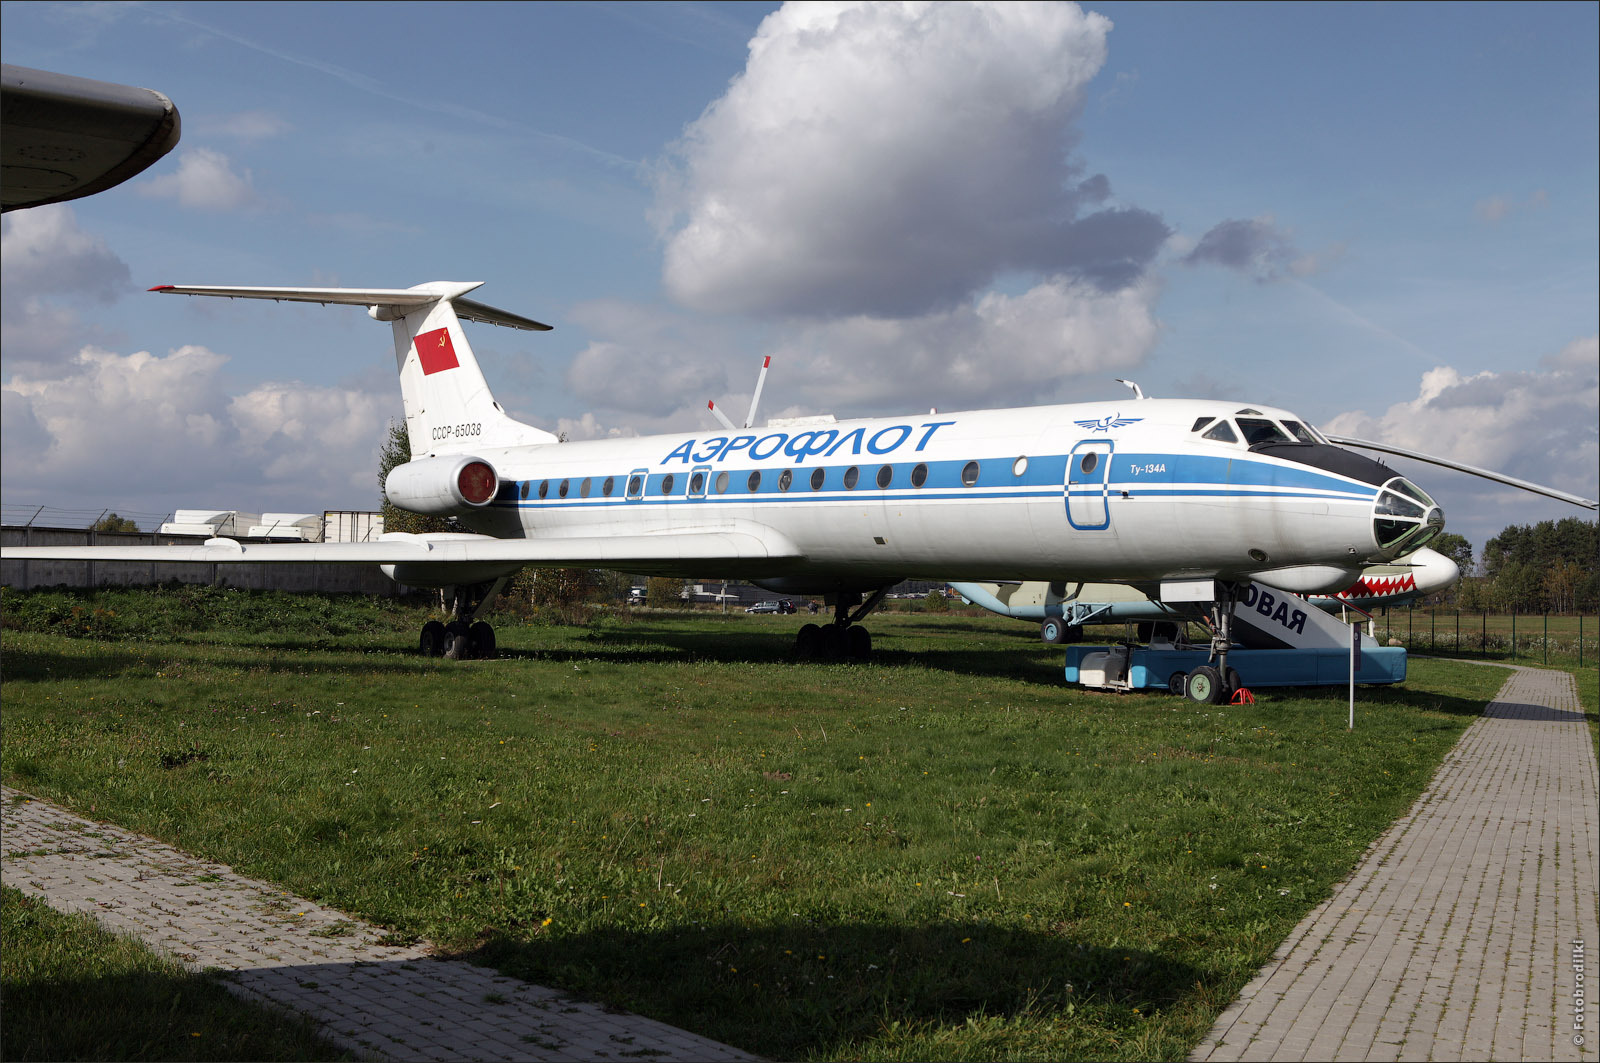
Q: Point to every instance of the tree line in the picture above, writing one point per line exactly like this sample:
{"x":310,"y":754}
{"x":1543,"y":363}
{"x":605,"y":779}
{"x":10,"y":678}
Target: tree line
{"x":1549,"y":567}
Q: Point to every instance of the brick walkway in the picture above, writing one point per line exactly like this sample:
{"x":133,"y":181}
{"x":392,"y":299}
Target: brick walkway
{"x":1454,"y":937}
{"x":376,"y":1000}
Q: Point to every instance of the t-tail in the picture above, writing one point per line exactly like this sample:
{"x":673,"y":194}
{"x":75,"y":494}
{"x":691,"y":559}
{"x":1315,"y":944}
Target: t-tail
{"x":449,"y":408}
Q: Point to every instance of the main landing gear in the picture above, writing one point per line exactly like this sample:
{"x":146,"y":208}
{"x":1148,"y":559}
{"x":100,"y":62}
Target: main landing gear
{"x":843,"y":639}
{"x":464,"y":637}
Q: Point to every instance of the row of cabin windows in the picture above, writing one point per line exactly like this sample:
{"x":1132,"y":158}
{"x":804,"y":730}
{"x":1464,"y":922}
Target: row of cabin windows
{"x":697,"y":482}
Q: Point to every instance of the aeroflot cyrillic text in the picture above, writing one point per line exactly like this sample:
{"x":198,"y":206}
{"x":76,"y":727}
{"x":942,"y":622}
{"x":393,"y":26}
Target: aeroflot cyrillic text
{"x":824,"y":442}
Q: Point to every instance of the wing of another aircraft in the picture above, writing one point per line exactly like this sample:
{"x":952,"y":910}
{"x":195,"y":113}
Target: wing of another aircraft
{"x":67,"y":137}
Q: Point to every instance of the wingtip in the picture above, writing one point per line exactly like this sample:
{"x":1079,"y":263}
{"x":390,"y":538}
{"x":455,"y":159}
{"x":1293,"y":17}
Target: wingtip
{"x":162,"y":288}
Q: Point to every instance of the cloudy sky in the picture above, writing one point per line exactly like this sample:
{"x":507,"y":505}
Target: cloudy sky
{"x":1383,"y":217}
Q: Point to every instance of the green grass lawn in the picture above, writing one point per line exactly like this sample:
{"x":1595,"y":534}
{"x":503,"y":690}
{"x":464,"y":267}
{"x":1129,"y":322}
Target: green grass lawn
{"x":945,"y":854}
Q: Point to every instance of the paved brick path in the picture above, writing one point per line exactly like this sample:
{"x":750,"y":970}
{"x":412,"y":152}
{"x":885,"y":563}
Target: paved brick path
{"x":1453,"y":939}
{"x":374,"y":999}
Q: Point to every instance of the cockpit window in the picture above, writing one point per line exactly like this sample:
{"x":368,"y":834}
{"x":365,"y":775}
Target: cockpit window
{"x":1222,"y":433}
{"x":1301,"y":432}
{"x":1260,"y":430}
{"x":1201,"y":422}
{"x":1406,"y":487}
{"x":1405,"y":518}
{"x":1391,"y":504}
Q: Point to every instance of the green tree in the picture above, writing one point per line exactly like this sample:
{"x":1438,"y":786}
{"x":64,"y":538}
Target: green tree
{"x":113,"y":523}
{"x":936,"y":601}
{"x":396,"y":451}
{"x":663,"y":592}
{"x":1457,"y":549}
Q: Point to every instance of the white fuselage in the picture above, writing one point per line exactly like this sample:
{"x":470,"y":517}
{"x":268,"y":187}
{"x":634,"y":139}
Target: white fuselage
{"x":1106,"y":491}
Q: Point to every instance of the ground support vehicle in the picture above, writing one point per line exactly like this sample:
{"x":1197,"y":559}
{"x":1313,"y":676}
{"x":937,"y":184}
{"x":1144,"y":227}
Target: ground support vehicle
{"x":1185,"y":670}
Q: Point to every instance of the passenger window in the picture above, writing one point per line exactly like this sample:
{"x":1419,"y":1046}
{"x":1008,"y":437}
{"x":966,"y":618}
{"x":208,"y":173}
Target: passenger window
{"x":1222,"y":433}
{"x":562,"y":490}
{"x":1019,"y":466}
{"x":851,"y":475}
{"x":666,"y":484}
{"x":583,"y":491}
{"x":526,"y":484}
{"x":722,"y":483}
{"x":544,"y":488}
{"x":1088,"y":462}
{"x":697,"y":483}
{"x":609,"y":486}
{"x":969,"y":474}
{"x":636,"y":486}
{"x":818,"y":475}
{"x":754,"y":483}
{"x":919,"y":475}
{"x":885,"y":476}
{"x":785,"y":478}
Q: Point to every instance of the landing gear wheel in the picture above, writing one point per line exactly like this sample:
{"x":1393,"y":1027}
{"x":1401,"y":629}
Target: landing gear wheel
{"x":1234,"y":683}
{"x":808,"y":642}
{"x":1204,"y":686}
{"x":857,"y":643}
{"x":1053,"y":630}
{"x":457,"y":644}
{"x":432,"y":641}
{"x":482,"y":636}
{"x":1175,"y":683}
{"x":831,"y":643}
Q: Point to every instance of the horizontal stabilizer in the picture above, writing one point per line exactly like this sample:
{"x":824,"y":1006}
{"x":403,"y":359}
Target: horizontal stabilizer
{"x":398,"y":300}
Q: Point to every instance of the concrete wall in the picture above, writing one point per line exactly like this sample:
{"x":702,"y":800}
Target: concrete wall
{"x":26,"y":575}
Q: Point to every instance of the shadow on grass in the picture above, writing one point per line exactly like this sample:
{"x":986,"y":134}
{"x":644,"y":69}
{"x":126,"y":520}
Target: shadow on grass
{"x":806,"y":990}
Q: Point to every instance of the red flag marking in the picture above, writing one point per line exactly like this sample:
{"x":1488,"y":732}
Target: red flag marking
{"x":436,"y":352}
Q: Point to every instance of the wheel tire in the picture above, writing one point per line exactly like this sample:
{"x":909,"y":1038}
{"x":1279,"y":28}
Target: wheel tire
{"x":1053,"y":630}
{"x":482,"y":636}
{"x":458,"y":647}
{"x":857,"y":643}
{"x":431,"y":642}
{"x":1175,"y":683}
{"x":1204,"y":686}
{"x":808,"y":642}
{"x":1074,"y":633}
{"x":831,"y":643}
{"x":1234,"y":683}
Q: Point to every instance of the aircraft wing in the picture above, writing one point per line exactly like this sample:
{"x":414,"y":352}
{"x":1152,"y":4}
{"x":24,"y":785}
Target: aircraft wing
{"x":752,"y":543}
{"x":66,"y":137}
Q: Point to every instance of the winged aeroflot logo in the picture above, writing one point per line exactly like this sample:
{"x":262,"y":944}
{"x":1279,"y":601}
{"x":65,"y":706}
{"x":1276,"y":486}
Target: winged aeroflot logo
{"x":1106,"y":424}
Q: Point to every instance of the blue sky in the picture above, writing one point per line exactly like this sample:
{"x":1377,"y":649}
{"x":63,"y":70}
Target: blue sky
{"x":1383,"y":217}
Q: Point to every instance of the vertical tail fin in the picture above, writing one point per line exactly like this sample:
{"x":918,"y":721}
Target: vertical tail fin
{"x":449,"y":409}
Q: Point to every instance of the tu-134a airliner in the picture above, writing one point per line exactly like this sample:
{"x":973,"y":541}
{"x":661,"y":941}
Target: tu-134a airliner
{"x":1186,"y":499}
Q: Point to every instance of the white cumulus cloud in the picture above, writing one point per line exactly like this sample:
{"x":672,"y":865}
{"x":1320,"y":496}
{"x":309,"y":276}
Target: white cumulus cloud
{"x":892,"y":159}
{"x":48,"y":264}
{"x":1538,"y":425}
{"x":169,"y":429}
{"x":205,"y":180}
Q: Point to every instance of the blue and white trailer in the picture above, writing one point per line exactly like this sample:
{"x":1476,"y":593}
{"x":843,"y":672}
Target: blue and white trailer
{"x":1186,"y":670}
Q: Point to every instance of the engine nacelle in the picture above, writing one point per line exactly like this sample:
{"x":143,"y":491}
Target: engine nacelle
{"x":444,"y":486}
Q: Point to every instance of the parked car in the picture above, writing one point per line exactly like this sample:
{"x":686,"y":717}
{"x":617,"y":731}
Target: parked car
{"x":781,"y":605}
